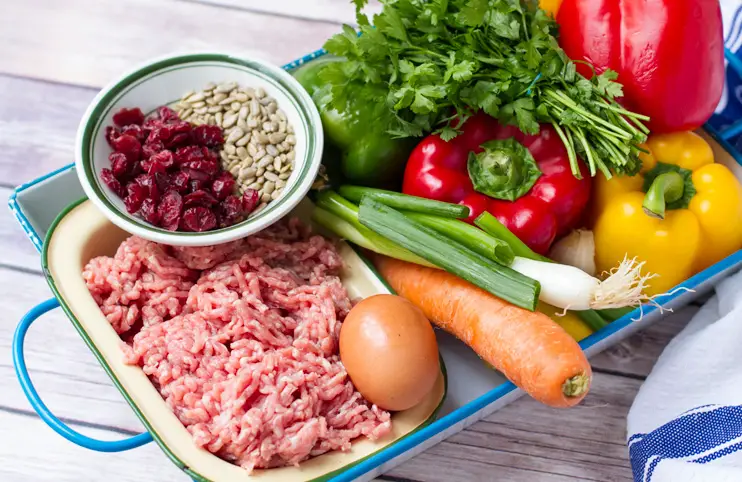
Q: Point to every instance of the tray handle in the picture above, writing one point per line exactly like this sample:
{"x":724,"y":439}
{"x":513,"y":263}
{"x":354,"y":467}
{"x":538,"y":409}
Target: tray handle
{"x":33,"y":397}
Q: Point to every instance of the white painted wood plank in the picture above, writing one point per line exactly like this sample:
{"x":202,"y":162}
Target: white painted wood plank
{"x":333,"y":11}
{"x":31,"y":452}
{"x":89,"y":42}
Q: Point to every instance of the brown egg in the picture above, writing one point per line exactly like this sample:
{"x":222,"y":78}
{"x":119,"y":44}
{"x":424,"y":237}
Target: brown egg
{"x":390,"y":352}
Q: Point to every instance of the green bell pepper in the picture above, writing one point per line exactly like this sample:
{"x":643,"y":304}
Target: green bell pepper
{"x":368,"y":156}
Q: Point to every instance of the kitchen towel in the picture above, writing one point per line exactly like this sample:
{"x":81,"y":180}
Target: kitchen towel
{"x":686,"y":422}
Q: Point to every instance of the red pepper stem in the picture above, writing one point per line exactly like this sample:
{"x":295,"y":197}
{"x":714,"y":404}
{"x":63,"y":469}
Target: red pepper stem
{"x":666,"y":188}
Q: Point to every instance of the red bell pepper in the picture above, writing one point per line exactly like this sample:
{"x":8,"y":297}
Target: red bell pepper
{"x":527,"y":185}
{"x":669,"y":54}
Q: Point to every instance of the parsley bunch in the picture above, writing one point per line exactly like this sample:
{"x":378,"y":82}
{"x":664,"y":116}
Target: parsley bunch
{"x":427,"y":65}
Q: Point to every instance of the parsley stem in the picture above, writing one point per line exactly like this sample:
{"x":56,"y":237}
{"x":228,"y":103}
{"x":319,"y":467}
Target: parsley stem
{"x":566,"y":100}
{"x":570,"y":150}
{"x":588,"y":151}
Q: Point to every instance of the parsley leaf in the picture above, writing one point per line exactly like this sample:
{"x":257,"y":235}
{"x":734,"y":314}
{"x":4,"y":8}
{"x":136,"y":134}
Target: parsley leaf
{"x":472,"y":14}
{"x":423,"y":60}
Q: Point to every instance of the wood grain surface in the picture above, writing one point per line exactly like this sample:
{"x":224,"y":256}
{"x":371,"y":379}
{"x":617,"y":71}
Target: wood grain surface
{"x":56,"y":56}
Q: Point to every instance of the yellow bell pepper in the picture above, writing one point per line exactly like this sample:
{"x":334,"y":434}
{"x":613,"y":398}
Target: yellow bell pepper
{"x":550,"y":6}
{"x":571,"y":323}
{"x":689,"y":219}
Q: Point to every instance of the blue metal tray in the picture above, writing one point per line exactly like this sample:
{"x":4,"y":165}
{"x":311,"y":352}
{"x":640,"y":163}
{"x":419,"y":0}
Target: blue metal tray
{"x":474,"y":390}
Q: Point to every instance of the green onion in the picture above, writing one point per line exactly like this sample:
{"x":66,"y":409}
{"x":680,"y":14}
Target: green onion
{"x":405,"y":202}
{"x":592,"y":319}
{"x":471,"y":237}
{"x":616,"y":313}
{"x":492,"y":226}
{"x":341,"y":218}
{"x":449,"y":255}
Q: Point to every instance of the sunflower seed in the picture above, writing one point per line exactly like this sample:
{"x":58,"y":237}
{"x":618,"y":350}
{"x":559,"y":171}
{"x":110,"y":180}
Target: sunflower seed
{"x":186,"y":113}
{"x":268,"y":187}
{"x":234,"y":170}
{"x":195,"y":97}
{"x":290,"y":155}
{"x":244,"y":110}
{"x":260,"y":171}
{"x":255,"y":185}
{"x":271,"y":108}
{"x":259,"y":92}
{"x":254,"y":108}
{"x":242,"y":124}
{"x":276,"y":193}
{"x":285,"y":168}
{"x":265,"y":161}
{"x":266,"y":197}
{"x":241,"y":97}
{"x":229,"y":120}
{"x":250,"y":172}
{"x":277,"y":162}
{"x":224,"y":156}
{"x":291,"y":139}
{"x":226,"y":87}
{"x":243,"y":140}
{"x":219,"y":118}
{"x":284,"y":175}
{"x":271,"y":176}
{"x":209,"y":87}
{"x":234,"y":135}
{"x":226,"y":101}
{"x":282,"y":127}
{"x":260,"y":207}
{"x":230,"y":149}
{"x":252,"y":123}
{"x":280,"y":183}
{"x":252,"y":150}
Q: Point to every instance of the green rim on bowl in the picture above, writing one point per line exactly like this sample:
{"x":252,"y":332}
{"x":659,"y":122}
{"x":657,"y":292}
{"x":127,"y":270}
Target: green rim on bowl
{"x":160,"y":442}
{"x":134,"y":79}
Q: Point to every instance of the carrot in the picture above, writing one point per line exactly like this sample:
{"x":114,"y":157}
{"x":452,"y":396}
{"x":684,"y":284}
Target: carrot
{"x":527,"y":347}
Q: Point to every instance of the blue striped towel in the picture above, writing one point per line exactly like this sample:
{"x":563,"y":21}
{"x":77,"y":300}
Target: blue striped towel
{"x":686,"y":421}
{"x":729,"y":111}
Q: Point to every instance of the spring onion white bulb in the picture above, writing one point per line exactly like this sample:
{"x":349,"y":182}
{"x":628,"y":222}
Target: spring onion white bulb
{"x":571,"y":288}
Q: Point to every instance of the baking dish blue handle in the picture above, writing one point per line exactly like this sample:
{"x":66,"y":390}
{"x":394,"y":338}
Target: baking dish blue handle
{"x":57,"y":425}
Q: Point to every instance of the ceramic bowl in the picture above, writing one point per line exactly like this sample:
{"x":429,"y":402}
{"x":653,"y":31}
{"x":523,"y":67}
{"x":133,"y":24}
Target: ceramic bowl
{"x":162,"y":82}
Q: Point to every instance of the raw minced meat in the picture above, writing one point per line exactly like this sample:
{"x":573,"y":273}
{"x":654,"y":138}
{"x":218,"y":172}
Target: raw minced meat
{"x":241,"y":340}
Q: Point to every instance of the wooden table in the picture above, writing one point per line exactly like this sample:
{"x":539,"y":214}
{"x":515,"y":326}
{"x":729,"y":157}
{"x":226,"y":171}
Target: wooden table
{"x":55,"y":55}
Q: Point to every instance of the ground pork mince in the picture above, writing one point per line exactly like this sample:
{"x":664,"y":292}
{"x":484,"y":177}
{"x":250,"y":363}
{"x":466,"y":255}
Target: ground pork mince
{"x":241,"y":341}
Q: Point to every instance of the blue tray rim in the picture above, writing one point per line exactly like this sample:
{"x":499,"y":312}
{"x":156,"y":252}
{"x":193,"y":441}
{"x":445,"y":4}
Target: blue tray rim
{"x":461,"y":414}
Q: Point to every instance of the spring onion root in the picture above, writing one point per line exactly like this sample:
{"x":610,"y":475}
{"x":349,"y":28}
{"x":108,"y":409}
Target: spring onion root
{"x":570,"y":288}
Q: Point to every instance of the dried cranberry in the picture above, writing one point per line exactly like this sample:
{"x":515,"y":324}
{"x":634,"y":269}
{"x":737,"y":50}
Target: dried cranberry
{"x":113,"y":184}
{"x":208,"y":167}
{"x":179,"y":182}
{"x":223,"y":185}
{"x":128,"y":116}
{"x":163,"y":181}
{"x":231,"y":210}
{"x":137,"y":193}
{"x":160,"y":162}
{"x":197,"y":175}
{"x":151,"y":148}
{"x":166,"y":114}
{"x":150,"y":124}
{"x":198,"y":219}
{"x":180,"y":134}
{"x":112,"y":133}
{"x":188,"y":154}
{"x":161,"y":133}
{"x":196,"y":184}
{"x":199,"y":198}
{"x":210,"y":136}
{"x":250,"y":200}
{"x":134,"y":131}
{"x":148,"y":211}
{"x":169,"y":210}
{"x":148,"y":182}
{"x":120,"y":165}
{"x":128,"y":145}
